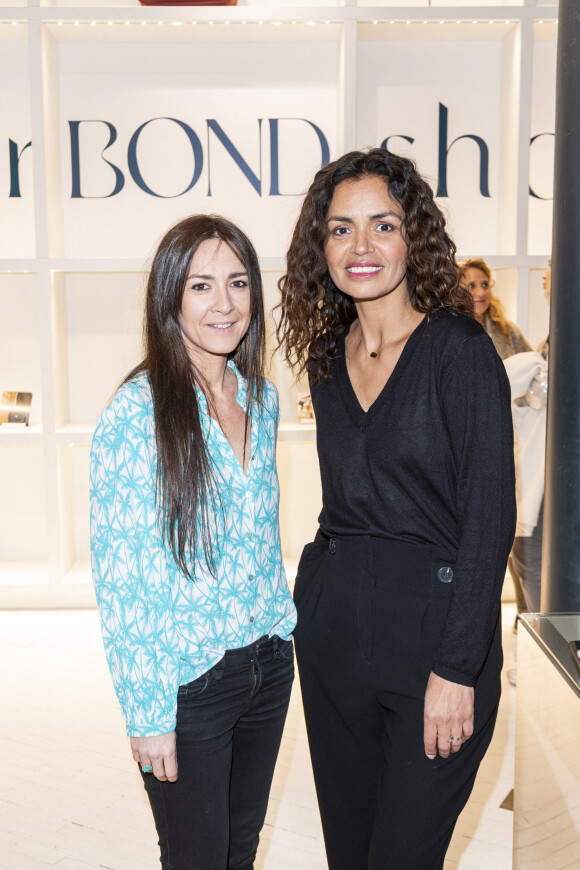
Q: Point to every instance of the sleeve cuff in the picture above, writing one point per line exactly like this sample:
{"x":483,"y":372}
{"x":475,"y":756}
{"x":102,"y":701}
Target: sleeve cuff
{"x":453,"y":676}
{"x":136,"y":729}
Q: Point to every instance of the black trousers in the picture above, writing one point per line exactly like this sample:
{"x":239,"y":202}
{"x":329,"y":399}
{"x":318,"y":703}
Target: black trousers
{"x":525,"y":564}
{"x":229,"y":728}
{"x":370,"y":613}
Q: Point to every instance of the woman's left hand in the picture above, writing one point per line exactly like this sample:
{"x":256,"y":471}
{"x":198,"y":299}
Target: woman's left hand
{"x":448,"y":716}
{"x":156,"y":754}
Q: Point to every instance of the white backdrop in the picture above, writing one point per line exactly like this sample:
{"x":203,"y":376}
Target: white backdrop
{"x":401,"y":86}
{"x":16,"y":213}
{"x":233,"y":84}
{"x":542,"y":150}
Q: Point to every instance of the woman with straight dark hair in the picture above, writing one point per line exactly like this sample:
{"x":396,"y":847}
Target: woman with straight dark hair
{"x":195,"y":610}
{"x":398,"y":638}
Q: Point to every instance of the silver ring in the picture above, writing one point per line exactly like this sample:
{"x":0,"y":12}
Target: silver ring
{"x":456,"y":739}
{"x":146,"y":768}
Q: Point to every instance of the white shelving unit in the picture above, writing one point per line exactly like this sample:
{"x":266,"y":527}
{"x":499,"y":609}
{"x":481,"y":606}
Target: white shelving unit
{"x":70,"y":301}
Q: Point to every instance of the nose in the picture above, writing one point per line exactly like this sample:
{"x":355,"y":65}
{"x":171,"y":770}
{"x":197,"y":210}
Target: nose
{"x":223,"y":301}
{"x":361,"y":242}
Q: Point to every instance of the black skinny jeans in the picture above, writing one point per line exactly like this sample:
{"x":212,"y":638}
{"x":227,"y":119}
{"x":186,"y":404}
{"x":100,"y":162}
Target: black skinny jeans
{"x":229,"y":728}
{"x":370,"y":614}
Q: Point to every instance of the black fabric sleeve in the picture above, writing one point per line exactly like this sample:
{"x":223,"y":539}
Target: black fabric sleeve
{"x":476,"y":406}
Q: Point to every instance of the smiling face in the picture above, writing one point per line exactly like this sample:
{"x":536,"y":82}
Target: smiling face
{"x":215,"y":308}
{"x":477,"y":282}
{"x":365,"y":251}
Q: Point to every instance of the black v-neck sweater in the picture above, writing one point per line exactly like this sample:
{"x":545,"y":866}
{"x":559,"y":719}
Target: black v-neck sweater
{"x":430,"y":462}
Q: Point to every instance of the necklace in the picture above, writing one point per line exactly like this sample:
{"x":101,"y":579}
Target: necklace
{"x":372,"y":353}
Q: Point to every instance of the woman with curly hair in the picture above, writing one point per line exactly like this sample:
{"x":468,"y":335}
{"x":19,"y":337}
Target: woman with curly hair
{"x":398,"y":597}
{"x":506,"y":336}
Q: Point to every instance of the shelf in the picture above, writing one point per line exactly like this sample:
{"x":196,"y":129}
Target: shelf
{"x":20,"y":330}
{"x":22,"y":575}
{"x":31,"y":436}
{"x":23,"y":520}
{"x":195,"y":31}
{"x":296,"y":431}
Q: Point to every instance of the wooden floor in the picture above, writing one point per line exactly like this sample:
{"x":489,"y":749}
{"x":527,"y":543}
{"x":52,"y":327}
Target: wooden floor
{"x":72,"y":799}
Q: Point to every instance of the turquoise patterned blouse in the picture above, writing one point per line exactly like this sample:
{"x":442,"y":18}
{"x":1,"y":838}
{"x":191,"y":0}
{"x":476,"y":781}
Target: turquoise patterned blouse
{"x":161,"y":630}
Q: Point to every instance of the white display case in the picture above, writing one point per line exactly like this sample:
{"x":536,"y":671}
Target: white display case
{"x":140,"y":115}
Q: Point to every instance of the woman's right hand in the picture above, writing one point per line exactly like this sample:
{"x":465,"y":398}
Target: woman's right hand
{"x":158,"y":751}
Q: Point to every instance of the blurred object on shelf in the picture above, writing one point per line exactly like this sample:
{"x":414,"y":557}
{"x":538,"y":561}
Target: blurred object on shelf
{"x":15,"y":407}
{"x":188,"y":2}
{"x":305,"y":410}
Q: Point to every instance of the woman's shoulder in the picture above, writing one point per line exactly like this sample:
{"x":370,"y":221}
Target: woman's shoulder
{"x":461,"y":346}
{"x":270,"y":391}
{"x":132,"y":399}
{"x":452,"y":330}
{"x":270,"y":398}
{"x":517,"y":333}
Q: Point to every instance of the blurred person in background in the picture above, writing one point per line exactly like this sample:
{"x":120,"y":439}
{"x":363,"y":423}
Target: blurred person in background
{"x":506,"y":336}
{"x":528,"y":375}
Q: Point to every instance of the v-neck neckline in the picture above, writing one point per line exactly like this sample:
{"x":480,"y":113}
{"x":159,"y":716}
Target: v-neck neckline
{"x":359,"y":416}
{"x":241,"y":395}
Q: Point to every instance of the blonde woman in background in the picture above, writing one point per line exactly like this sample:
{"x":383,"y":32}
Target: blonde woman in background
{"x":506,"y":336}
{"x":508,"y":340}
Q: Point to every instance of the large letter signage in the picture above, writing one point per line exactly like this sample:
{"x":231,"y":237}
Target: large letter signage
{"x":14,"y":158}
{"x":76,"y":160}
{"x":134,"y":165}
{"x":214,"y":127}
{"x":444,"y":150}
{"x":275,"y":152}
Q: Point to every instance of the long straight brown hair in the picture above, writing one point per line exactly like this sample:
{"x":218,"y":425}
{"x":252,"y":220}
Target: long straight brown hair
{"x":186,"y":495}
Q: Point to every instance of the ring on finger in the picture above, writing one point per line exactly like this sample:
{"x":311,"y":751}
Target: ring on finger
{"x":456,"y":739}
{"x":147,"y":768}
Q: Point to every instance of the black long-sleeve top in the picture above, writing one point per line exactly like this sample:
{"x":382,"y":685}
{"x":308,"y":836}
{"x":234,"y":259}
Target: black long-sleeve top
{"x":430,"y":462}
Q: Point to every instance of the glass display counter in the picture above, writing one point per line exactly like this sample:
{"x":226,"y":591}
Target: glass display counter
{"x":547,"y":759}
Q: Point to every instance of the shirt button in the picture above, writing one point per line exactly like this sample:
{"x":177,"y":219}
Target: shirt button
{"x":249,"y":536}
{"x":251,"y":618}
{"x":251,"y":577}
{"x":445,"y":575}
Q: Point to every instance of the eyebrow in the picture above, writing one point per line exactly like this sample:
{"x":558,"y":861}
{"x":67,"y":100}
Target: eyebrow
{"x":372,"y":217}
{"x":212,"y":277}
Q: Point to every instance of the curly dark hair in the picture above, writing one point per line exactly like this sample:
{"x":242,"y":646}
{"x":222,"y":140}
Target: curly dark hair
{"x":314,"y":312}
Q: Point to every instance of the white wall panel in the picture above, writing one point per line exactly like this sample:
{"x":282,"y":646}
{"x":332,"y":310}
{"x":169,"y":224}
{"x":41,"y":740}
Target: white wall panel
{"x":542,"y":150}
{"x":235,"y":85}
{"x":16,"y":181}
{"x":402,"y":87}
